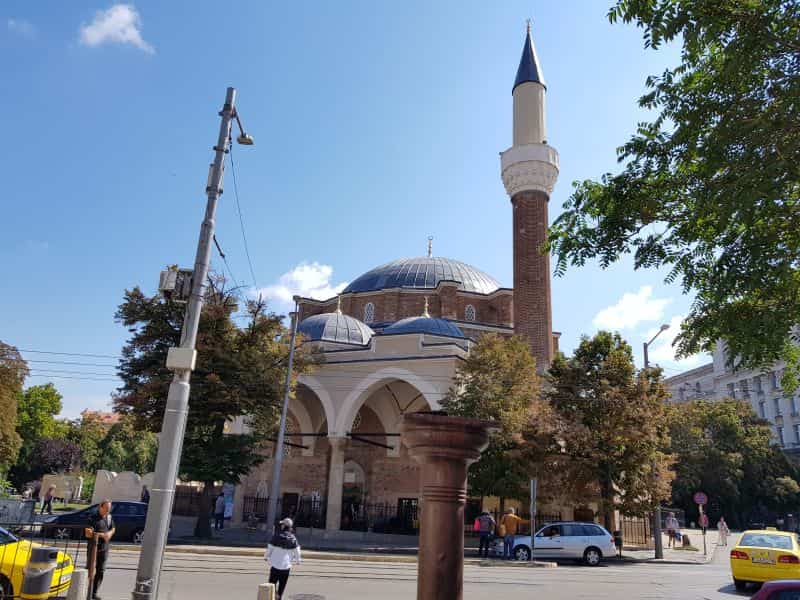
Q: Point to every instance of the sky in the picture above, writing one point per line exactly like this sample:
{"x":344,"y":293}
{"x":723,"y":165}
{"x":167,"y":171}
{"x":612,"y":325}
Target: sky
{"x":377,"y":124}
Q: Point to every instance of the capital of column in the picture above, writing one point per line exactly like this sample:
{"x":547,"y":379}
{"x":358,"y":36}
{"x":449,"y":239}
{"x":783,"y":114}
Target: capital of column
{"x":337,"y":443}
{"x":528,"y":168}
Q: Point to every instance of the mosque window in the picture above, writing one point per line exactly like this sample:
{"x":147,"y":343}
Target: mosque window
{"x":469,"y":313}
{"x":356,"y":422}
{"x":369,"y":312}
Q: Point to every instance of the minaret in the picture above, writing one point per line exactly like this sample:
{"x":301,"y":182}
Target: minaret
{"x":529,"y":170}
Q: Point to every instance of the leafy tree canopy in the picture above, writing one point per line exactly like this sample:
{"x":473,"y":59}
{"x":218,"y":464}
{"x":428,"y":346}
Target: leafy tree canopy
{"x":13,"y":371}
{"x":710,"y":189}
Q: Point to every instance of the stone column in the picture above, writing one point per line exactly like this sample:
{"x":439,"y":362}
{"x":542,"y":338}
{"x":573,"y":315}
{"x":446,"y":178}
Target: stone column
{"x":445,"y":447}
{"x":333,"y":519}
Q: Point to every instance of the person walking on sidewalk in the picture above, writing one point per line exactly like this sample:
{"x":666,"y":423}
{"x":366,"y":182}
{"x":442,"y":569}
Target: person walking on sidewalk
{"x":47,"y":501}
{"x":486,"y":525}
{"x":509,"y":525}
{"x":219,"y":512}
{"x":672,"y":526}
{"x":282,"y":552}
{"x":102,"y":530}
{"x":722,"y":527}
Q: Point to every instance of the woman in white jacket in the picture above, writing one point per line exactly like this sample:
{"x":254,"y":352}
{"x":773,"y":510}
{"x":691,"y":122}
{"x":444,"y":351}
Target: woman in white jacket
{"x":282,"y":552}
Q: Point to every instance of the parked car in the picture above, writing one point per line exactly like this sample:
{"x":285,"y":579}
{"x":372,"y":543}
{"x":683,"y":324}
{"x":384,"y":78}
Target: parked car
{"x":129,"y":519}
{"x":588,"y":542}
{"x":783,"y":589}
{"x":14,"y":555}
{"x":764,"y":555}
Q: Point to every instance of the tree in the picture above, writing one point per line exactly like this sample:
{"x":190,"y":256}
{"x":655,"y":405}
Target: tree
{"x":239,"y":374}
{"x":124,"y":448}
{"x":53,"y":456}
{"x":614,"y":424}
{"x":13,"y":371}
{"x":498,"y":382}
{"x":725,"y":450}
{"x":710,"y":189}
{"x":88,"y":434}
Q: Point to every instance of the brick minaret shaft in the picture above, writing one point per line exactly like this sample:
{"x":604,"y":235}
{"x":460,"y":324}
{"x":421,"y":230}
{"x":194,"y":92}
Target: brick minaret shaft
{"x":529,"y":170}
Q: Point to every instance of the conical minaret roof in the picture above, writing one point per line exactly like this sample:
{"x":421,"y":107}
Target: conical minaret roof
{"x":529,"y":67}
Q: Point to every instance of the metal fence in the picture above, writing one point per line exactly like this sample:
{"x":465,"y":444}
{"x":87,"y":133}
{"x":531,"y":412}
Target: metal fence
{"x":637,"y":531}
{"x":384,"y":517}
{"x":15,"y":548}
{"x":305,"y":512}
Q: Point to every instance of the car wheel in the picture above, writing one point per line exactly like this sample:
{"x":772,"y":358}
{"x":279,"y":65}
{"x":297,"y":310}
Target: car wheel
{"x":522,"y":553}
{"x":592,"y":556}
{"x":62,"y":533}
{"x":740,"y":585}
{"x":137,"y":536}
{"x":6,"y":591}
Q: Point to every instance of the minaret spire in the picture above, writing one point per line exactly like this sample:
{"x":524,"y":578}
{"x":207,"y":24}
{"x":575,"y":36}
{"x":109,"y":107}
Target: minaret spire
{"x":430,"y":246}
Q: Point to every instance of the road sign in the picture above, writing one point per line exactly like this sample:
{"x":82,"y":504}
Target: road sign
{"x":700,"y":498}
{"x":703,"y":521}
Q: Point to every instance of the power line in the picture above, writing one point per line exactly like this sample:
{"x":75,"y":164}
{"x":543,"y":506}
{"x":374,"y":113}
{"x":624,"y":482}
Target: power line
{"x":71,"y":354}
{"x":241,"y":220}
{"x":65,"y":362}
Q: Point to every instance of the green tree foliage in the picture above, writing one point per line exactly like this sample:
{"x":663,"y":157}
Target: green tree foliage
{"x":498,"y":382}
{"x":710,"y":189}
{"x":613,"y":424}
{"x":725,"y":450}
{"x":239,"y":373}
{"x":13,"y":371}
{"x":88,"y":433}
{"x":126,"y":448}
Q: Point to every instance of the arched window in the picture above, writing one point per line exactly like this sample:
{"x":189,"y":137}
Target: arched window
{"x":369,"y":312}
{"x":469,"y":313}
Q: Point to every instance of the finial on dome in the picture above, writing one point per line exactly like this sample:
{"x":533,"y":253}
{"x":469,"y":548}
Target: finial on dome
{"x":430,"y":246}
{"x":339,"y":304}
{"x":528,"y":21}
{"x":425,"y":312}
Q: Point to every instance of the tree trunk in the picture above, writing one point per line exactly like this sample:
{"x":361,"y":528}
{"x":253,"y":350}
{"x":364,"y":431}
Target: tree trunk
{"x":202,"y":529}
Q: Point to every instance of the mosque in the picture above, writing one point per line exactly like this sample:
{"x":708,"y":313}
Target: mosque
{"x":391,"y":343}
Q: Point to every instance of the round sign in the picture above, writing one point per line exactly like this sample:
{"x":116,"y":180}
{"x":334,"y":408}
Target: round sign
{"x":700,"y":498}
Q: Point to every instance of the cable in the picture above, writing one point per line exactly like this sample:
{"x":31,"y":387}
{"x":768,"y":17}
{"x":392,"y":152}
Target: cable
{"x":239,"y":210}
{"x":225,"y":260}
{"x":71,"y":354}
{"x":64,"y":362}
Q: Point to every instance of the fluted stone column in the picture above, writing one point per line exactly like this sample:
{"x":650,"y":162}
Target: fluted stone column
{"x":333,"y":518}
{"x":445,"y":447}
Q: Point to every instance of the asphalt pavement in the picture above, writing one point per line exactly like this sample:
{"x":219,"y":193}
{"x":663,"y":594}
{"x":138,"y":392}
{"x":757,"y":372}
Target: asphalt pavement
{"x":189,"y":576}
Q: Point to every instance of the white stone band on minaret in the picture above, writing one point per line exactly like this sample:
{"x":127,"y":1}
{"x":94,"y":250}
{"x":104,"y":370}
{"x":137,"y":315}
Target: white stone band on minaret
{"x":532,"y":167}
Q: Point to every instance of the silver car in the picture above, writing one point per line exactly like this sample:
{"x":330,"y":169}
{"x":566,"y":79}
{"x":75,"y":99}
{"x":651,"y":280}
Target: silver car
{"x":588,"y":542}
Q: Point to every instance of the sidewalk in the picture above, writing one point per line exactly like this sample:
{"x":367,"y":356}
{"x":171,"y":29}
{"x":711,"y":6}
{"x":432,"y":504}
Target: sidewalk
{"x":679,"y":555}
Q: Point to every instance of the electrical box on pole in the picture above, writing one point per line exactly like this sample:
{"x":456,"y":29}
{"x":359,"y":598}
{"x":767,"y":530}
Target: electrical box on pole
{"x":175,"y":284}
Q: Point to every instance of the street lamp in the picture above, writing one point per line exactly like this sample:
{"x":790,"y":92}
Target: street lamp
{"x":657,"y":516}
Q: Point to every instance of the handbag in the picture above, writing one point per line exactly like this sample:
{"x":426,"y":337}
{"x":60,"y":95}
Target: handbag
{"x":476,"y":525}
{"x":501,"y":530}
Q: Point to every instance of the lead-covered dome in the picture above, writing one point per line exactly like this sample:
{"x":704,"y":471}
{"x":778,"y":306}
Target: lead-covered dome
{"x":424,"y":324}
{"x":335,"y":327}
{"x":424,"y":273}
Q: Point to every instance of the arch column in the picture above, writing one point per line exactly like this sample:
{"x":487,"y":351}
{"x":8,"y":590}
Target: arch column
{"x":333,"y":519}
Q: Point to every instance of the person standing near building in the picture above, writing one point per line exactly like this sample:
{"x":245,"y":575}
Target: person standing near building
{"x":722,"y":527}
{"x":47,"y":501}
{"x":509,"y":525}
{"x":102,"y":529}
{"x":219,"y":512}
{"x":672,"y":526}
{"x":282,"y":552}
{"x":486,"y":525}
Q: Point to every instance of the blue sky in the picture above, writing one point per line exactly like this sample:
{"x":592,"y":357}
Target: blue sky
{"x":376,"y":125}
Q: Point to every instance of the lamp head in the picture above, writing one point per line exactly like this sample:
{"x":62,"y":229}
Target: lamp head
{"x":665,"y":326}
{"x":245,"y":139}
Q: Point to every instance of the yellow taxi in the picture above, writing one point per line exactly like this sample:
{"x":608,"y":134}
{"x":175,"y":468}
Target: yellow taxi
{"x":14,"y":554}
{"x":763,"y":555}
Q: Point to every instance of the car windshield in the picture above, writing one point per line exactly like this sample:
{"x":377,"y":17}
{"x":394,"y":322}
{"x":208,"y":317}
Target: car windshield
{"x":767,"y":540}
{"x":6,"y":537}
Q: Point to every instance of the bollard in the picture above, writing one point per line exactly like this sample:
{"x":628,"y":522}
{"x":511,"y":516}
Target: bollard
{"x":38,"y":573}
{"x":266,"y":591}
{"x":79,"y":586}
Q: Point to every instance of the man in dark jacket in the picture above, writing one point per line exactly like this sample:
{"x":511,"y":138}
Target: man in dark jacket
{"x":102,"y":530}
{"x":486,"y":528}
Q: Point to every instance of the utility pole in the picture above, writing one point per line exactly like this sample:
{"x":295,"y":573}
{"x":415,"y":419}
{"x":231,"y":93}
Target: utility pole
{"x":278,"y":454}
{"x":181,"y":361}
{"x":659,"y":543}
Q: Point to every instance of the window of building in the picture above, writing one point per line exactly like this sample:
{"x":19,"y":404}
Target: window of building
{"x":775,"y":380}
{"x":780,"y":435}
{"x":757,"y":383}
{"x":793,"y":402}
{"x":469,"y":313}
{"x":762,"y":409}
{"x":745,"y":387}
{"x":697,"y":388}
{"x":777,"y":403}
{"x":731,"y":391}
{"x":369,"y":312}
{"x":797,"y":432}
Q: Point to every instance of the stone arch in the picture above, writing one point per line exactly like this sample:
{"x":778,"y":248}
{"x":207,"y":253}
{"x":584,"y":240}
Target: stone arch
{"x":300,"y":413}
{"x":324,"y":397}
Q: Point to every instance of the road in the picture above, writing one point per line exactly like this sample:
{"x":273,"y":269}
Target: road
{"x":201,"y":577}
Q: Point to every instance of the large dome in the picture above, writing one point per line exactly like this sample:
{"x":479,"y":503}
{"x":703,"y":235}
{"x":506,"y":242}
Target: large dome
{"x":335,"y":327}
{"x":424,"y":273}
{"x":424,"y":324}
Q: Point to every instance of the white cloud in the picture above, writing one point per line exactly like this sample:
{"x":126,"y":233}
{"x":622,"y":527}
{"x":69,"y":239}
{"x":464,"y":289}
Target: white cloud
{"x":21,"y":27}
{"x":119,"y":24}
{"x":631,"y":310}
{"x":662,"y":352}
{"x":311,"y":280}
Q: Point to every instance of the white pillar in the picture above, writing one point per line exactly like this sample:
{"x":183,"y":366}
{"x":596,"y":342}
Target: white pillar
{"x":333,"y":520}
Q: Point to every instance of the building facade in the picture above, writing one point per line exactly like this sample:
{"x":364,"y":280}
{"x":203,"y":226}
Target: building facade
{"x":392,"y":341}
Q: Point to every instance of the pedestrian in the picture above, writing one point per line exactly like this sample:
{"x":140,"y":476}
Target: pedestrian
{"x":282,"y":552}
{"x":672,"y":526}
{"x":145,"y":495}
{"x":486,"y":525}
{"x":722,"y":527}
{"x":509,"y":524}
{"x":219,"y":512}
{"x":101,"y":530}
{"x":47,"y":501}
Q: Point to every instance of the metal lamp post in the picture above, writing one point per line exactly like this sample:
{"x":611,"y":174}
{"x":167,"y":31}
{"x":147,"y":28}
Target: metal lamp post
{"x":657,"y":516}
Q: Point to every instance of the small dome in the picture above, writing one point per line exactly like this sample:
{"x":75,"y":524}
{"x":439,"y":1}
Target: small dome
{"x":424,"y":273}
{"x":425,"y":325}
{"x":335,"y":327}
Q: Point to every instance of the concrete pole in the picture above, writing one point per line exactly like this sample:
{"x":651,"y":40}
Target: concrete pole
{"x":657,"y":537}
{"x":333,"y":514}
{"x":78,"y":585}
{"x":278,"y":454}
{"x":181,"y":361}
